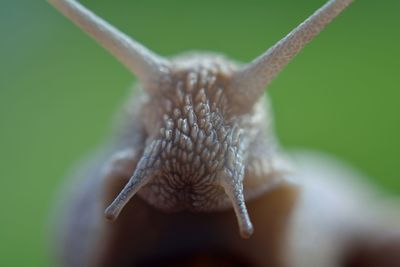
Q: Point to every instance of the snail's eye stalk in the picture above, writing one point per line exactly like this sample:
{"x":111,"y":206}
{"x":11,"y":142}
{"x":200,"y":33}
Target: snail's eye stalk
{"x":249,"y":83}
{"x":244,"y":88}
{"x":146,"y":65}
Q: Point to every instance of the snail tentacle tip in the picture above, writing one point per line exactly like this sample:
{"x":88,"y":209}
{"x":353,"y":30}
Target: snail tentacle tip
{"x":247,"y":231}
{"x":111,"y":213}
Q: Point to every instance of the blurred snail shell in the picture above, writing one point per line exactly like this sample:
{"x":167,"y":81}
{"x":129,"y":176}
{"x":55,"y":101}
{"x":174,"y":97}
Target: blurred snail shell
{"x":196,"y":142}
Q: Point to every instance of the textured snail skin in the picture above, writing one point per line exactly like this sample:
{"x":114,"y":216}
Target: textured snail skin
{"x":144,"y":236}
{"x":198,"y":140}
{"x":311,"y":223}
{"x":194,"y":152}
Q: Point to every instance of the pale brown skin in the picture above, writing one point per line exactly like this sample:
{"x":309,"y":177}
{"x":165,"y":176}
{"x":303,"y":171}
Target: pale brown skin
{"x":175,"y":188}
{"x":143,"y":235}
{"x":195,"y":143}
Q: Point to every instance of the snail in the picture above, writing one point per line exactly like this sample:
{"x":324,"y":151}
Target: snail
{"x":195,"y":154}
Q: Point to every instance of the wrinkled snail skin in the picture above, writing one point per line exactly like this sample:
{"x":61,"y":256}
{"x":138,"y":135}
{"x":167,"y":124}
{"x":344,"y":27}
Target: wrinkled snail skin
{"x":149,"y":229}
{"x":194,"y":159}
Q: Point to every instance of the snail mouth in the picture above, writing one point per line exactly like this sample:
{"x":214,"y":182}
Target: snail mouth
{"x":171,"y":191}
{"x":166,"y":195}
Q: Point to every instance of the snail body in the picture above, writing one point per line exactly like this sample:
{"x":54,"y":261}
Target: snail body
{"x":196,"y":142}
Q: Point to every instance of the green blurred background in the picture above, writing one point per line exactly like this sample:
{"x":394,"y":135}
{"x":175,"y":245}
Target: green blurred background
{"x":59,"y":90}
